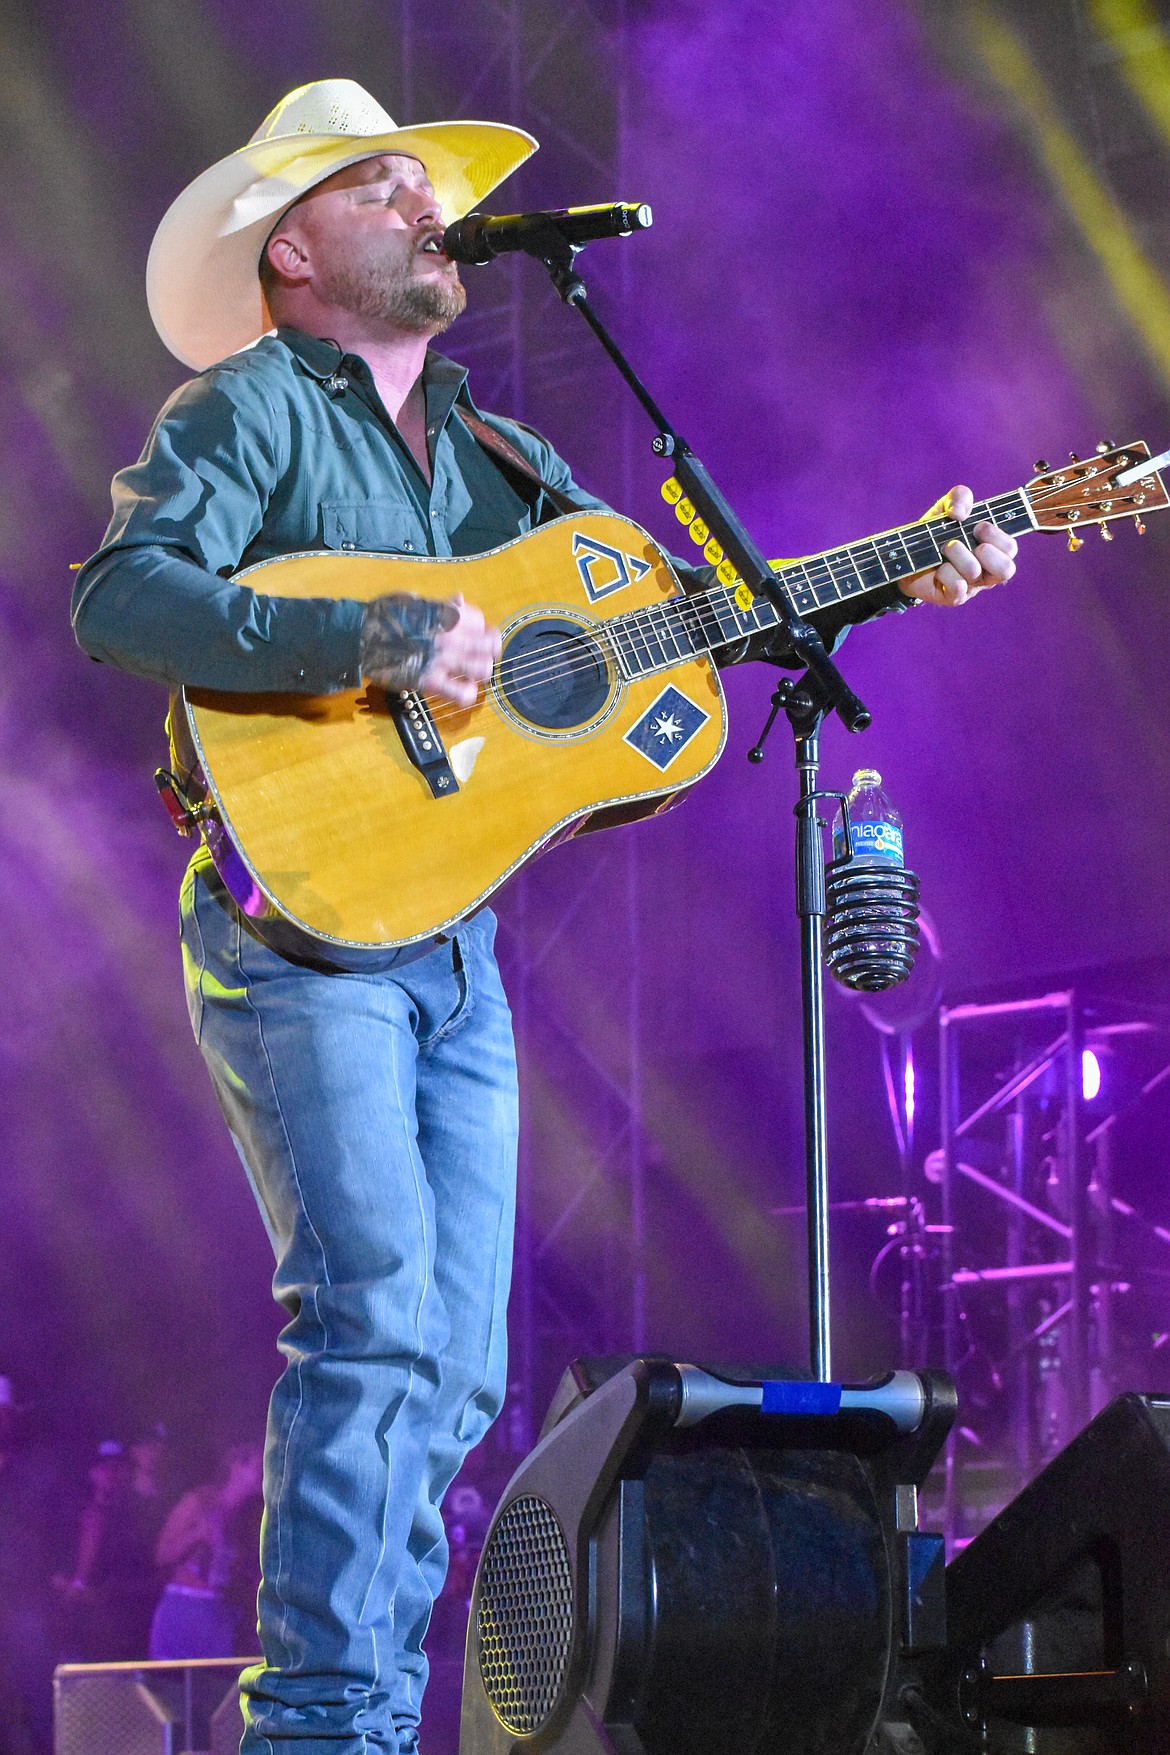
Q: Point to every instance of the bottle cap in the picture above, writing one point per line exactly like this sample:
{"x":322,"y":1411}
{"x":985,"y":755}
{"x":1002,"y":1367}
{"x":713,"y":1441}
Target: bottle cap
{"x":866,"y":777}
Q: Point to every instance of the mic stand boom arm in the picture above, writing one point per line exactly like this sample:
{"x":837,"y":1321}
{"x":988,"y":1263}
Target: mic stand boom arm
{"x":800,"y":637}
{"x":805,"y":701}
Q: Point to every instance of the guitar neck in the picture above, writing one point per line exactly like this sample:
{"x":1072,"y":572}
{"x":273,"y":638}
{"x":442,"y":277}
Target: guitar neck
{"x":682,"y":627}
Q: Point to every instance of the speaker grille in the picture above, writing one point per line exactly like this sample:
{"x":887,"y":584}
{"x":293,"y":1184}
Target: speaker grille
{"x":525,"y":1619}
{"x":94,"y":1713}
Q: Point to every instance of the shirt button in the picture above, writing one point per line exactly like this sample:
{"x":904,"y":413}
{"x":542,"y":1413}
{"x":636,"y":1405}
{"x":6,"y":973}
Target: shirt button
{"x":408,"y":543}
{"x":349,"y":546}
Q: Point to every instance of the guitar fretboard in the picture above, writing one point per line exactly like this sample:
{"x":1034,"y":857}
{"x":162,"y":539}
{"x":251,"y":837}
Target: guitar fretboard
{"x":668,"y":633}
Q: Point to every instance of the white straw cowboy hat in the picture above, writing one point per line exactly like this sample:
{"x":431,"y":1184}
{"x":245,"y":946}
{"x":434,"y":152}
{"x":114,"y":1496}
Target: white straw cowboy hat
{"x":201,"y":275}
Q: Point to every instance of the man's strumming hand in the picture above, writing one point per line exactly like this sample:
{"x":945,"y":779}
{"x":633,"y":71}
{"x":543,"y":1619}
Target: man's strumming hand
{"x":444,"y":648}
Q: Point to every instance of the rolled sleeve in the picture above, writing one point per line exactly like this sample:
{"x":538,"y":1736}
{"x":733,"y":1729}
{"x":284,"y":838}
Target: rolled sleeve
{"x":156,"y":600}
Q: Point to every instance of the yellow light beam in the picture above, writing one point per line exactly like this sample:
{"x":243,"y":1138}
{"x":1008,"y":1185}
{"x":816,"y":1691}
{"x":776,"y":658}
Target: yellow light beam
{"x":1137,"y":286}
{"x":1135,"y":31}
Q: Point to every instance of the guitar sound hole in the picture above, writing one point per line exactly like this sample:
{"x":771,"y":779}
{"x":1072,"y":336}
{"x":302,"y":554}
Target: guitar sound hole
{"x":553,"y":674}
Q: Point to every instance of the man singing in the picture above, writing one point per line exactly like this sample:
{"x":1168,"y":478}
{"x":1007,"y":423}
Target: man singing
{"x":372,"y":1095}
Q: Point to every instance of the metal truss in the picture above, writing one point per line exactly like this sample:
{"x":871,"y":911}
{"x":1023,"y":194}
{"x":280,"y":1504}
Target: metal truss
{"x":1033,"y":1259}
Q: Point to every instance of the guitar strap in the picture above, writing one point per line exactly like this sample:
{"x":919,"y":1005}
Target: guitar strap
{"x":504,"y":451}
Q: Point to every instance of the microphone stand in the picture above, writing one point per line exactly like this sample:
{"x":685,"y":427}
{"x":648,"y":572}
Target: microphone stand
{"x":805,"y":701}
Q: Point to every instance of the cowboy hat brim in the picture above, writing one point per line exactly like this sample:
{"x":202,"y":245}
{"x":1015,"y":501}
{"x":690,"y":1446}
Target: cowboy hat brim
{"x":202,"y":283}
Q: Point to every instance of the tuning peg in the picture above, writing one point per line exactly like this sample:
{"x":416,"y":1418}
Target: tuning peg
{"x":1138,"y":525}
{"x":1106,"y":445}
{"x":1041,"y":466}
{"x":1106,"y":533}
{"x":1073,"y":458}
{"x":1075,"y":542}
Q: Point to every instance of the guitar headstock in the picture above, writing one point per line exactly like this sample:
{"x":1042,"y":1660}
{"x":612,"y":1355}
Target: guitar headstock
{"x":1118,"y":481}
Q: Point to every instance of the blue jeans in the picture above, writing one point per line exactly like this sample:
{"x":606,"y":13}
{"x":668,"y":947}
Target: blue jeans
{"x":376,"y":1116}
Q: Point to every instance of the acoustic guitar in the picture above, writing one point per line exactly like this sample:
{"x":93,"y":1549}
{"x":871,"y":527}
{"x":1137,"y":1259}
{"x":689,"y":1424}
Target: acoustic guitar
{"x":375,"y":819}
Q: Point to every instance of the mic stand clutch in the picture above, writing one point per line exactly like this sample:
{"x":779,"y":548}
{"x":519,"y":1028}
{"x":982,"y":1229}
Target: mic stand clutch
{"x":822,"y":689}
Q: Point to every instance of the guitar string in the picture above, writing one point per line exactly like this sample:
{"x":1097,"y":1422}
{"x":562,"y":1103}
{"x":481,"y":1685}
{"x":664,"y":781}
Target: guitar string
{"x":524,"y":671}
{"x":629,"y":623}
{"x":639,"y":625}
{"x":597,"y":649}
{"x":549,"y":663}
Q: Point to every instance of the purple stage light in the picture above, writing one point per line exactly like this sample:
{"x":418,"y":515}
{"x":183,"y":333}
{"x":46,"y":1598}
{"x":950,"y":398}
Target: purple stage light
{"x":1090,"y":1075}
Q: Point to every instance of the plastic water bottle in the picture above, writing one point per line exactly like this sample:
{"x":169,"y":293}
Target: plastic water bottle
{"x":876,"y":826}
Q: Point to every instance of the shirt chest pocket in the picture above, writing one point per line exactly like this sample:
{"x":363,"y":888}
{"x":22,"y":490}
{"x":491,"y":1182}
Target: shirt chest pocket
{"x":372,"y":527}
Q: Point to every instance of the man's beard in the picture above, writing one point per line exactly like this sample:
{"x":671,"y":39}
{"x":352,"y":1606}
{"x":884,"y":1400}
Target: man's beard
{"x":384,"y":290}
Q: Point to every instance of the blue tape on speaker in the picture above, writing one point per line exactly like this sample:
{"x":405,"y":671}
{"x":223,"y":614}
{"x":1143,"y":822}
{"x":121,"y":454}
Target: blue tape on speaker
{"x":801,"y":1398}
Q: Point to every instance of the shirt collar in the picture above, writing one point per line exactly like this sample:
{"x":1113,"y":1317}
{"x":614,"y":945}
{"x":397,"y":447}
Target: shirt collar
{"x":316,"y":356}
{"x":322,"y":358}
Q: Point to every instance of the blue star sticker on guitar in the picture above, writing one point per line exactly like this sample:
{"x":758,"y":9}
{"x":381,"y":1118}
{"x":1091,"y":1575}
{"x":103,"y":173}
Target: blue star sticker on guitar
{"x":666,"y":727}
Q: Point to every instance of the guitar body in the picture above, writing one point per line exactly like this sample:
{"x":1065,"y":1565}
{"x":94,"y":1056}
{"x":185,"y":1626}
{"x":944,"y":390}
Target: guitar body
{"x":342,"y":832}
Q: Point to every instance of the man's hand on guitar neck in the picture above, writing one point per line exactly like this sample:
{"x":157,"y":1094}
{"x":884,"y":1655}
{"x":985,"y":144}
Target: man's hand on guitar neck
{"x":964,"y":572}
{"x":443,"y":648}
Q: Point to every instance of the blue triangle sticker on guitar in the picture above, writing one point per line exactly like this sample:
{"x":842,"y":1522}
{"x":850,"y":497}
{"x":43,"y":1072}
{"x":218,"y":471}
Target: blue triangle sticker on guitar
{"x":604,"y":569}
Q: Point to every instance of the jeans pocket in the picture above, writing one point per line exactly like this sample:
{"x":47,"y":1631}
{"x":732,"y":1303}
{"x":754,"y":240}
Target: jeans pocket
{"x":459,"y":1012}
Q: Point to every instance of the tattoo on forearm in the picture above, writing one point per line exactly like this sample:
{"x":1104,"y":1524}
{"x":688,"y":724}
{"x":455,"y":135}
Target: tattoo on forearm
{"x":398,"y":638}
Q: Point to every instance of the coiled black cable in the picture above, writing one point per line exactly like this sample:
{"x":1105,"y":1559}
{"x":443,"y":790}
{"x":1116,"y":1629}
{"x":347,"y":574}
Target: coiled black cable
{"x":871,"y":924}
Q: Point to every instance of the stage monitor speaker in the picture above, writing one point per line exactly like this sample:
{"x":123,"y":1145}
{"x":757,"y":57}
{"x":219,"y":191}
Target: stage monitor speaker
{"x":1059,"y":1611}
{"x":147,"y":1708}
{"x":704,"y":1562}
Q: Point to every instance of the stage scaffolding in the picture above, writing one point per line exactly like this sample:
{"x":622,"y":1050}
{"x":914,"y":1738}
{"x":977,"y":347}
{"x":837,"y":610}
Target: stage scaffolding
{"x":1037,"y":1245}
{"x":569,"y":930}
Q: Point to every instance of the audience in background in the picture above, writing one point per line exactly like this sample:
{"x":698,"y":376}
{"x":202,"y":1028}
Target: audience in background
{"x":107,"y":1595}
{"x":153,"y":1478}
{"x":466,"y":1515}
{"x":133,"y":1565}
{"x":209,"y":1546}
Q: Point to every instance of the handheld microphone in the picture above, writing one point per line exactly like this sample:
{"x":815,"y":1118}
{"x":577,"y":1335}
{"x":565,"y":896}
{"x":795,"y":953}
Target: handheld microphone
{"x":481,"y":236}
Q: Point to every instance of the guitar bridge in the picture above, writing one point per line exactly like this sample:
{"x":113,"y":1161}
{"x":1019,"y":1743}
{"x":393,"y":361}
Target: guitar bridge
{"x":424,"y":746}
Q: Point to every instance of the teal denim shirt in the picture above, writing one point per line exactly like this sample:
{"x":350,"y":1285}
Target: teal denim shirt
{"x":286,"y":447}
